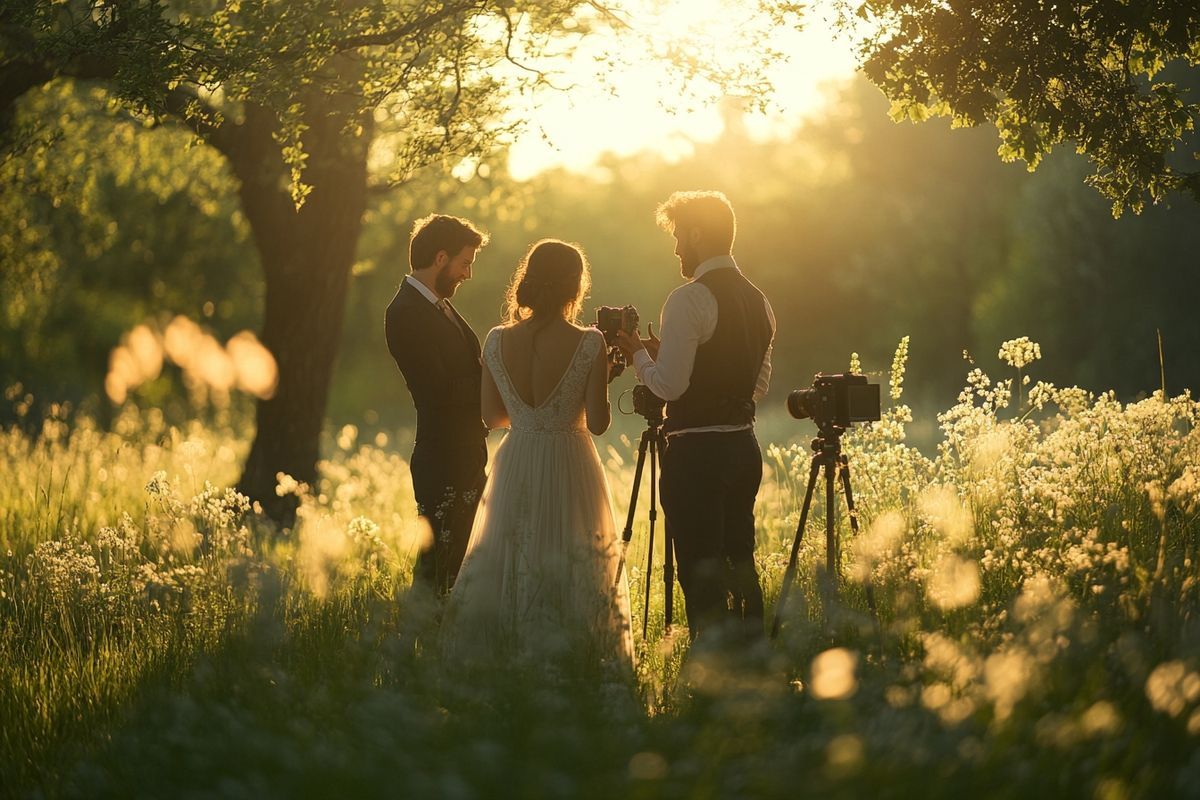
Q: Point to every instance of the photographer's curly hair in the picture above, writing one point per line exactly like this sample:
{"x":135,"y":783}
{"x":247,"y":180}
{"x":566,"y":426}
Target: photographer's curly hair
{"x":552,"y":279}
{"x":711,"y":212}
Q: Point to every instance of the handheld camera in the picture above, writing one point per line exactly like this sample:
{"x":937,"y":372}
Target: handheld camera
{"x":610,"y":320}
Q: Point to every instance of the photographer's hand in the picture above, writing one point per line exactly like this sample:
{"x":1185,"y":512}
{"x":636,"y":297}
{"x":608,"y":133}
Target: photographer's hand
{"x":652,"y":343}
{"x":615,"y":364}
{"x":629,"y":344}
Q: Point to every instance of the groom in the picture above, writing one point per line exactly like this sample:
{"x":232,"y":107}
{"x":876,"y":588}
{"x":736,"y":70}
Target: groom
{"x":438,"y":354}
{"x":712,"y":365}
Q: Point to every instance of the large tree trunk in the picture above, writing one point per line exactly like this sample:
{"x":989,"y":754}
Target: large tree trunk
{"x":306,"y":259}
{"x":306,"y":254}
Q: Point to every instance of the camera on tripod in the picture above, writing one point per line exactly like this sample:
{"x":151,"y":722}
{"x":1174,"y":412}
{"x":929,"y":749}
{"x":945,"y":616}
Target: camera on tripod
{"x":836,"y":401}
{"x":648,"y":404}
{"x":610,"y":320}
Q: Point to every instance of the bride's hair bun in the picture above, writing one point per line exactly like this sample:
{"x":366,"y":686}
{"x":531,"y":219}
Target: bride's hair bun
{"x":552,"y":278}
{"x":530,"y":291}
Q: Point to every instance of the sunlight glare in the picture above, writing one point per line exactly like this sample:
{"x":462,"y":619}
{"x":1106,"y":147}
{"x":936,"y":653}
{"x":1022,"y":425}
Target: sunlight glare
{"x":628,"y":105}
{"x":833,"y":675}
{"x":954,"y":583}
{"x":255,"y":367}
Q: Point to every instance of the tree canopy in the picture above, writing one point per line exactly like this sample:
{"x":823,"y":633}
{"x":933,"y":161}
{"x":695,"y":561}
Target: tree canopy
{"x":1095,"y":75}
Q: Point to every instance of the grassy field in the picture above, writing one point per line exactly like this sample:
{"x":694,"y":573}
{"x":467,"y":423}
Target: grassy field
{"x":1036,"y":583}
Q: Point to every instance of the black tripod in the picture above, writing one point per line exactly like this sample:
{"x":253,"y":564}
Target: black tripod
{"x":827,"y":454}
{"x":652,"y":441}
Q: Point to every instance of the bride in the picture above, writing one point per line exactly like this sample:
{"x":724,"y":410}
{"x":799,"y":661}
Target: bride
{"x":539,"y":582}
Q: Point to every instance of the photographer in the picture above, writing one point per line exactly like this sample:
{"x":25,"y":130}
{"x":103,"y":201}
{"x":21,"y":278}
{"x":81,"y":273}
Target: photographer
{"x":712,"y":365}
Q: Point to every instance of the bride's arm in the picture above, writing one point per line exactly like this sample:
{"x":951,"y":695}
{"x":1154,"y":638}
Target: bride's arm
{"x":495,"y":415}
{"x":598,"y":412}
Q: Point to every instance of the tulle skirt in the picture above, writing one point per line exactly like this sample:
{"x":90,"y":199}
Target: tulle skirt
{"x":540,"y":581}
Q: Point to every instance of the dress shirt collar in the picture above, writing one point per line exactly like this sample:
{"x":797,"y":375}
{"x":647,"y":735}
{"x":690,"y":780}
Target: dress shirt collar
{"x":423,"y":289}
{"x":716,"y":262}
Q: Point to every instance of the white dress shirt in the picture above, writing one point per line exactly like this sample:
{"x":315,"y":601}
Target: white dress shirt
{"x":425,"y":290}
{"x":440,"y":303}
{"x":689,"y":318}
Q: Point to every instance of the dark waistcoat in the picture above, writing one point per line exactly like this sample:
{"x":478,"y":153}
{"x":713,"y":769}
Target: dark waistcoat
{"x":721,"y":390}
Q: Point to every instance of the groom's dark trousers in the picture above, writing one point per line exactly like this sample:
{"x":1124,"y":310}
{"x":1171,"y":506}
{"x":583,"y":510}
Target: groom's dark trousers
{"x":709,"y":484}
{"x":439,"y":359}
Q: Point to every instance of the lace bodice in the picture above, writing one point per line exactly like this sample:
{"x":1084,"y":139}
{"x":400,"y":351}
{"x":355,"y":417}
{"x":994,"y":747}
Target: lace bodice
{"x":563,"y":409}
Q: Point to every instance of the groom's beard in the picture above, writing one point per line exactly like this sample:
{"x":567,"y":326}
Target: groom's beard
{"x":444,"y":285}
{"x":688,"y":261}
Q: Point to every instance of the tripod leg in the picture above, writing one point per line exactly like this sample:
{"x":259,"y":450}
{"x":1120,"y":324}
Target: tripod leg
{"x":669,"y":578}
{"x":867,"y":585}
{"x":831,"y":545}
{"x":668,"y":545}
{"x":790,"y":573}
{"x":844,"y":466}
{"x":627,"y":534}
{"x":829,"y":580}
{"x":653,"y":516}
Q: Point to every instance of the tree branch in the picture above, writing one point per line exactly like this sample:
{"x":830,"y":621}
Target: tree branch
{"x":508,"y":56}
{"x":17,"y":77}
{"x":610,"y":14}
{"x":385,"y":187}
{"x":21,"y":75}
{"x":205,"y":121}
{"x":393,"y":35}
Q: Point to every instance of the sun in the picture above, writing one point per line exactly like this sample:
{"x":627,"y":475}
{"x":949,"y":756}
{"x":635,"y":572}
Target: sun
{"x":622,"y":100}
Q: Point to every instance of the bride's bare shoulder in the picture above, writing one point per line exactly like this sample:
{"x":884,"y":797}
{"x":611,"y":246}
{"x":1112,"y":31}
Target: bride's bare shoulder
{"x":585,"y":330}
{"x":510,"y":328}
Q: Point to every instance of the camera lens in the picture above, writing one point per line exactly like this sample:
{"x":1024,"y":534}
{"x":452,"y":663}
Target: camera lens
{"x":801,"y":402}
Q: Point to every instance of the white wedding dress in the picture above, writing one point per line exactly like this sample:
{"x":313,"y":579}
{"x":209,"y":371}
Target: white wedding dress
{"x":539,"y":582}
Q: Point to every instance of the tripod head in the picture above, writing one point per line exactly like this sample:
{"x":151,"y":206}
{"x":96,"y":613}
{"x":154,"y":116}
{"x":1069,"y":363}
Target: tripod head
{"x":653,"y":422}
{"x":648,"y":405}
{"x":828,"y":443}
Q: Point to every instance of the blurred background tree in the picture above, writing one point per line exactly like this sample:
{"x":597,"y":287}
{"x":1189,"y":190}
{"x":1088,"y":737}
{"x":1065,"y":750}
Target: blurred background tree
{"x":110,"y":226}
{"x":860,"y":230}
{"x":311,"y":107}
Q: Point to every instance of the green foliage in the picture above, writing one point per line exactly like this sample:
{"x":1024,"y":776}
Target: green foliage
{"x":313,"y":106}
{"x":108,"y":222}
{"x":1035,"y":583}
{"x":434,"y":79}
{"x":860,"y":231}
{"x":1093,"y":75}
{"x":139,"y":48}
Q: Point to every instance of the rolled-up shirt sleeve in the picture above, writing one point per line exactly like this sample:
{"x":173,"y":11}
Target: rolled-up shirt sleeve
{"x":764,"y":374}
{"x":688,"y":319}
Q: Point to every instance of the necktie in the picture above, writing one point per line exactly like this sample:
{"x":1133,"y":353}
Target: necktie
{"x":444,"y":305}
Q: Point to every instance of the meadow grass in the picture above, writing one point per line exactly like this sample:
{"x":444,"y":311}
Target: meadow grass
{"x":1037,"y":631}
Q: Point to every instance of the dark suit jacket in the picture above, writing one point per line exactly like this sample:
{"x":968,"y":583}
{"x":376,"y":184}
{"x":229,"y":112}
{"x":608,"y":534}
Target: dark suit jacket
{"x":441,"y":365}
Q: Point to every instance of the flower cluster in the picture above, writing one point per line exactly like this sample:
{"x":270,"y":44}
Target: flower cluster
{"x":899,"y":362}
{"x":1020,"y":353}
{"x":1024,"y":586}
{"x":66,"y":568}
